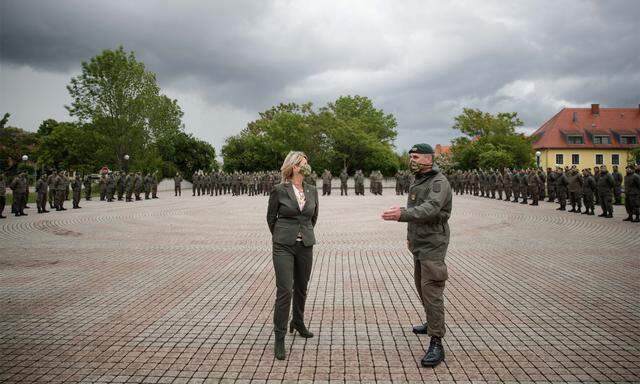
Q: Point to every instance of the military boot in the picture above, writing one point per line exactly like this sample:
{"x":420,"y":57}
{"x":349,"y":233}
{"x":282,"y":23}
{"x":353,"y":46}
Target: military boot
{"x":278,"y":348}
{"x":630,"y":218}
{"x":435,"y":353}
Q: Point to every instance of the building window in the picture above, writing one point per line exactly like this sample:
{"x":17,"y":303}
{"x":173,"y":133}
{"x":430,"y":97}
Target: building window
{"x":628,"y":140}
{"x":575,"y":159}
{"x":599,"y":159}
{"x":559,"y":159}
{"x":575,"y":140}
{"x":601,"y":139}
{"x":615,"y":159}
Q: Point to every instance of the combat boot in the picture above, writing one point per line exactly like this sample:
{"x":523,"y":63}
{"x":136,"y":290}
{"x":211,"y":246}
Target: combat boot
{"x":420,"y":329}
{"x":278,"y":348}
{"x":637,"y":219}
{"x":630,"y":218}
{"x":435,"y":353}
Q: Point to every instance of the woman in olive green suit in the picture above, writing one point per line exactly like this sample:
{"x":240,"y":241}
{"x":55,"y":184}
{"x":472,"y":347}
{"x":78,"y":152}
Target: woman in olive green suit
{"x":292,"y":215}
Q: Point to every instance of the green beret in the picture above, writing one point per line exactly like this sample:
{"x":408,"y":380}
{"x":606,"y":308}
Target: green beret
{"x":424,"y":149}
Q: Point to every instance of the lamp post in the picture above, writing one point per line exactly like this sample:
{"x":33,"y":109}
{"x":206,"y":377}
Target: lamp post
{"x":126,"y":163}
{"x":538,"y":153}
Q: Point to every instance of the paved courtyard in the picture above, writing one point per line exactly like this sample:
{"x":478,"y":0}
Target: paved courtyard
{"x":181,"y":290}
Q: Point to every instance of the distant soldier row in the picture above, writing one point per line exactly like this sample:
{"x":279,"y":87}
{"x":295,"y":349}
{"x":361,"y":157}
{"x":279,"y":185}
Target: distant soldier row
{"x":586,"y":188}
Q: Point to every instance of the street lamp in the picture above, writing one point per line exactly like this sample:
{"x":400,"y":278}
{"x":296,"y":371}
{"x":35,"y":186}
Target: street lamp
{"x":538,"y":153}
{"x":25,"y":157}
{"x":126,"y":163}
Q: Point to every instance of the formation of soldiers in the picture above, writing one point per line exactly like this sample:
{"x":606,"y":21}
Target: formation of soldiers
{"x":404,"y":179}
{"x":561,"y":186}
{"x":55,"y":188}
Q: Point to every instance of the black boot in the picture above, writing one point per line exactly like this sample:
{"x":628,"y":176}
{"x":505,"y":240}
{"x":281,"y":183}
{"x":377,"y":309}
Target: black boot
{"x":278,"y":348}
{"x":637,"y":219}
{"x":435,"y":353}
{"x":628,"y":218}
{"x":420,"y":329}
{"x":302,"y":330}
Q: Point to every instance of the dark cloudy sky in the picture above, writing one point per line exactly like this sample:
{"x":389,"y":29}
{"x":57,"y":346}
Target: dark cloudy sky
{"x":423,"y":61}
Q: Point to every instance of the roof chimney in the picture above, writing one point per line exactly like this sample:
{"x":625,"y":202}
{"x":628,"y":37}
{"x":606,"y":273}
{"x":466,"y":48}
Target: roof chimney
{"x":595,"y":109}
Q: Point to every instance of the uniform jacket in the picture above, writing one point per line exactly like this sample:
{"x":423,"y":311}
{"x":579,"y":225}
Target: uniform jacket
{"x":285,"y":219}
{"x":427,"y":214}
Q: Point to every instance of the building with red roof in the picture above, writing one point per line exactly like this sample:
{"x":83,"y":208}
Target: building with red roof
{"x":587,"y":137}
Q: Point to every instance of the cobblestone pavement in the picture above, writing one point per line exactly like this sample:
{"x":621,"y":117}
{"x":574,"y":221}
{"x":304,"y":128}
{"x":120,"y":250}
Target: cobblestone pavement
{"x":181,"y":290}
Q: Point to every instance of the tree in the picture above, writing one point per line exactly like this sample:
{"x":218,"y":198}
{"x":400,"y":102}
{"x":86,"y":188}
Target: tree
{"x":14,"y":143}
{"x":476,"y":123}
{"x":70,"y":146}
{"x":122,"y":101}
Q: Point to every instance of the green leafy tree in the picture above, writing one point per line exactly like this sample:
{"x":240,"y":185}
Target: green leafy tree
{"x":70,"y":146}
{"x":14,"y":143}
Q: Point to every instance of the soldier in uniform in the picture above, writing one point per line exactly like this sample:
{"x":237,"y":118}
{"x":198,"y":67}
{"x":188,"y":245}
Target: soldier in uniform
{"x":588,"y":190}
{"x":123,"y":183}
{"x":506,"y":179}
{"x":575,"y":188}
{"x":523,"y":181}
{"x":76,"y":186}
{"x":326,"y":182}
{"x":617,"y":179}
{"x":52,"y":191}
{"x":561,"y":189}
{"x":87,"y":187}
{"x":499,"y":184}
{"x":543,"y":182}
{"x":606,"y":185}
{"x":344,"y":177}
{"x":41,"y":194}
{"x":533,"y":182}
{"x":103,"y":187}
{"x":128,"y":185}
{"x":427,"y":214}
{"x":551,"y":185}
{"x":177,"y":184}
{"x":61,"y":185}
{"x":631,"y":194}
{"x":596,"y":176}
{"x":18,"y":189}
{"x":147,"y":186}
{"x":137,"y":185}
{"x":3,"y":195}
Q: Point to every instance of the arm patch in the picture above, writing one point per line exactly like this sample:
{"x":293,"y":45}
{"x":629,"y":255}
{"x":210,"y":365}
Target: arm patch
{"x":437,"y":187}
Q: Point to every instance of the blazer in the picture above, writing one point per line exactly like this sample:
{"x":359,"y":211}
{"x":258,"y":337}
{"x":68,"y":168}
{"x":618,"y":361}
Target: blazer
{"x":285,"y":219}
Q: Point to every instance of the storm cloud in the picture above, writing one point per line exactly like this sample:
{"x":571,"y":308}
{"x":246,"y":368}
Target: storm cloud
{"x":423,"y":61}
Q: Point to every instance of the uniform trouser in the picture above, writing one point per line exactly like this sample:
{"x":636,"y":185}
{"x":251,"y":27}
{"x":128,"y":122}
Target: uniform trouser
{"x":3,"y":202}
{"x":430,"y":277}
{"x":541,"y":196}
{"x":617,"y":193}
{"x":605,"y":203}
{"x":552,"y":194}
{"x":87,"y":194}
{"x":41,"y":201}
{"x":524,"y":192}
{"x":177,"y":190}
{"x":60,"y":195}
{"x":292,"y":265}
{"x":631,"y":204}
{"x":120,"y":193}
{"x":575,"y":200}
{"x":110,"y":193}
{"x":103,"y":194}
{"x":588,"y":201}
{"x":343,"y":189}
{"x":129,"y":193}
{"x":147,"y":191}
{"x":534,"y":194}
{"x":154,"y":191}
{"x":326,"y":189}
{"x":507,"y":193}
{"x":18,"y":203}
{"x":562,"y":199}
{"x":76,"y":198}
{"x":500,"y":193}
{"x":52,"y":198}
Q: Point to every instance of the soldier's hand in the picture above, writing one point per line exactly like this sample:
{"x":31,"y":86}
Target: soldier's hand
{"x":391,"y":214}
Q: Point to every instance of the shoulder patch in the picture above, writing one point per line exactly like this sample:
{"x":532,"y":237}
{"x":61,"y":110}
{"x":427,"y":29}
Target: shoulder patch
{"x":437,"y":187}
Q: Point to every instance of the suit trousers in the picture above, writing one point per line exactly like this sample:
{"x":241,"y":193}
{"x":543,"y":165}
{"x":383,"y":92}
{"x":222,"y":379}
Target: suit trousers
{"x":292,"y":265}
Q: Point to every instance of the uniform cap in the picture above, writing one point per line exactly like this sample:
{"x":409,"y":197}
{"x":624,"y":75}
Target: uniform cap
{"x":422,"y":148}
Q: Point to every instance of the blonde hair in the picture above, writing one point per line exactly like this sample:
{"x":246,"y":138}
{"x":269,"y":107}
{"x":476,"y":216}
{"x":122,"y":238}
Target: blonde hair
{"x":292,"y":159}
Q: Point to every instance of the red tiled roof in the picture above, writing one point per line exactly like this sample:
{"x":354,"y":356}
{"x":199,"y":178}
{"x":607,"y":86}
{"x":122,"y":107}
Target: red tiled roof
{"x":613,"y":122}
{"x":443,"y":149}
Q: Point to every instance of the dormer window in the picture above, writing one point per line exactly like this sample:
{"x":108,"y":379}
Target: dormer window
{"x":601,"y":139}
{"x":575,"y":139}
{"x":628,"y":139}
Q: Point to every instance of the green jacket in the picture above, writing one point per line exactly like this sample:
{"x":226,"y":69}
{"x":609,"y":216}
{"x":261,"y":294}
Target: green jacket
{"x":427,"y":214}
{"x":285,"y":219}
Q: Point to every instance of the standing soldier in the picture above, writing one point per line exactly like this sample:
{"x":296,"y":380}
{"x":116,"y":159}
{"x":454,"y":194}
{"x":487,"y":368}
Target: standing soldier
{"x":617,"y":179}
{"x":523,"y":181}
{"x":41,"y":194}
{"x":561,"y":189}
{"x":128,"y":185}
{"x":177,"y":184}
{"x":575,"y":188}
{"x":52,"y":191}
{"x":606,"y":185}
{"x":588,"y":190}
{"x":18,"y":189}
{"x":76,"y":187}
{"x":358,"y":179}
{"x":631,"y":194}
{"x":499,"y":184}
{"x":122,"y":178}
{"x":61,"y":190}
{"x":87,"y":187}
{"x":326,"y":182}
{"x":3,"y":195}
{"x":551,"y":185}
{"x":506,"y":179}
{"x":147,"y":186}
{"x":111,"y":186}
{"x":427,"y":214}
{"x":344,"y":177}
{"x":137,"y":185}
{"x":103,"y":187}
{"x":533,"y":182}
{"x":543,"y":182}
{"x":154,"y":185}
{"x":596,"y":176}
